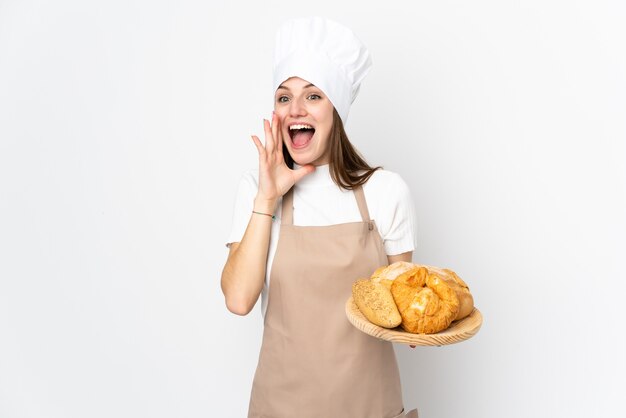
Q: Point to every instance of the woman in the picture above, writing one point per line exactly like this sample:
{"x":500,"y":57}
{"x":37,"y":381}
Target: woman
{"x":302,"y":234}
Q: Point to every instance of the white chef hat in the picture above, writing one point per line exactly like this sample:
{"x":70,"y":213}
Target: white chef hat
{"x":324,"y":53}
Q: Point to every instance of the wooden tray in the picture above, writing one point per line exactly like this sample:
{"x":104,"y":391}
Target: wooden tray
{"x":458,"y":331}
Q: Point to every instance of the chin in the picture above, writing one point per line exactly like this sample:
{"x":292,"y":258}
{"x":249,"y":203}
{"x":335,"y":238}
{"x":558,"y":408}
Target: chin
{"x":300,"y":158}
{"x":302,"y":161}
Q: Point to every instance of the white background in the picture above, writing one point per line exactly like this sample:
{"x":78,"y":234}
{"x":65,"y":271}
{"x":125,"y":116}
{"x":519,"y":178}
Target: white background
{"x":125,"y":126}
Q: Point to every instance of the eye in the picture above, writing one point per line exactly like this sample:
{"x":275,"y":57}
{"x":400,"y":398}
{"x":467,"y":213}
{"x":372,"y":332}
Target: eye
{"x":282,"y":99}
{"x":314,"y":96}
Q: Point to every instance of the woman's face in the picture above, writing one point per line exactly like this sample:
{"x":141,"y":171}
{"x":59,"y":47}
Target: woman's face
{"x":306,"y":117}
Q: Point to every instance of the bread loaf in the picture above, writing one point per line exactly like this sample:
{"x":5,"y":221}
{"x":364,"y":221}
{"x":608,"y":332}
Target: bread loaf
{"x":387,"y":274}
{"x":427,"y":304}
{"x":376,"y":303}
{"x":466,"y":300}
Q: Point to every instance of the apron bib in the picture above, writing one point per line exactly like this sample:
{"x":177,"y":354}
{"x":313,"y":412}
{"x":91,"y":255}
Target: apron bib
{"x":313,"y":362}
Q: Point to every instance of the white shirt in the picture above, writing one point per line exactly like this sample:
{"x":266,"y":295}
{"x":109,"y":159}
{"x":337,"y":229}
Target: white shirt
{"x":318,"y":201}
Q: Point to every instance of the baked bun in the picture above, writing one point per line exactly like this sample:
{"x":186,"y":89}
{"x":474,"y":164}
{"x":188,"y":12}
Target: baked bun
{"x":426,"y":302}
{"x":466,"y":300}
{"x":376,"y":303}
{"x":387,"y":274}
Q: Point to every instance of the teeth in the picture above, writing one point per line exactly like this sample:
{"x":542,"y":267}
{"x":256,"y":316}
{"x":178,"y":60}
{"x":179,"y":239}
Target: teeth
{"x":292,"y":127}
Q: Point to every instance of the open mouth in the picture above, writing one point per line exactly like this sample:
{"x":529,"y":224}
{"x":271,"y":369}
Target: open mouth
{"x":301,"y":135}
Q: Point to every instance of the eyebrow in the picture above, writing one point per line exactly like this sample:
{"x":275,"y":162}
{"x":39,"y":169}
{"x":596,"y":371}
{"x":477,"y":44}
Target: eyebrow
{"x":287,"y":88}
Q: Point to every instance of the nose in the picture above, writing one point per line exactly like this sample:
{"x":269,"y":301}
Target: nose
{"x":297,"y":108}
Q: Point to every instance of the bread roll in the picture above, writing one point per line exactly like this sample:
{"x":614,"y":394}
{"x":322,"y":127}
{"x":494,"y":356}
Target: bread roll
{"x":376,"y":303}
{"x":426,"y":302}
{"x":466,"y":300}
{"x":387,"y":274}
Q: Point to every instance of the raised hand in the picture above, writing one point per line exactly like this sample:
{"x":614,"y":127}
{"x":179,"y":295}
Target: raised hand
{"x":275,"y":177}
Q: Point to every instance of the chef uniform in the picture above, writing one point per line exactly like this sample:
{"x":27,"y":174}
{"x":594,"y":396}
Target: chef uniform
{"x":313,"y":362}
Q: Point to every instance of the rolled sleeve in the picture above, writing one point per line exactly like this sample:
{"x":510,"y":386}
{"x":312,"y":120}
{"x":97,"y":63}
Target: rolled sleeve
{"x":399,"y":233}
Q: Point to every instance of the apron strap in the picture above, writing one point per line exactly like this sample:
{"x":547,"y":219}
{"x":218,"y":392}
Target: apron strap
{"x":360,"y":200}
{"x":286,"y":218}
{"x":287,"y":207}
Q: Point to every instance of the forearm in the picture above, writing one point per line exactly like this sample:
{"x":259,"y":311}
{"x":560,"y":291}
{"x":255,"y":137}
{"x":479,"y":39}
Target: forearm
{"x":408,"y":257}
{"x":244,"y":273}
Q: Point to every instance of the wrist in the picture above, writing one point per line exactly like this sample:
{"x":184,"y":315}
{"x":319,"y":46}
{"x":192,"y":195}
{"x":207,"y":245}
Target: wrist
{"x":264,"y":205}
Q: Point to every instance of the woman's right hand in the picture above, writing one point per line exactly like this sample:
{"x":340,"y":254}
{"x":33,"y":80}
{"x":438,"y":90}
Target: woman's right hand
{"x":244,"y":272}
{"x":275,"y":177}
